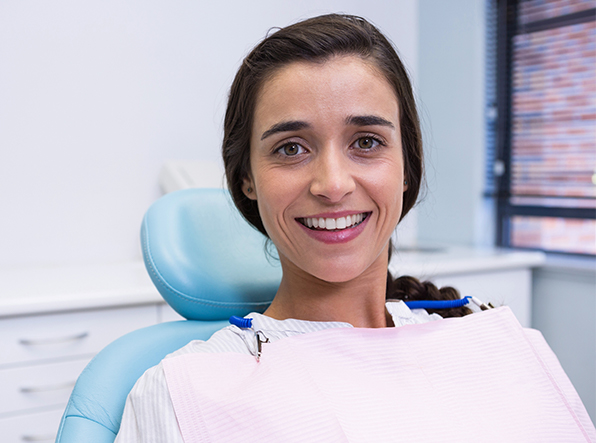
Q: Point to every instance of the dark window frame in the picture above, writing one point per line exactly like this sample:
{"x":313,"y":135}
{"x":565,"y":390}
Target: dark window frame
{"x":506,"y":30}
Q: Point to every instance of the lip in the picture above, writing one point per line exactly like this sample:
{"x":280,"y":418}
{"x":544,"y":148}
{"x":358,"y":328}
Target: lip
{"x":335,"y":237}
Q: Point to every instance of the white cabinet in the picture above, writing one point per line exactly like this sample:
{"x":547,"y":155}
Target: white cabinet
{"x":41,"y":357}
{"x":31,"y":387}
{"x":53,"y":320}
{"x":38,"y":337}
{"x":35,"y":427}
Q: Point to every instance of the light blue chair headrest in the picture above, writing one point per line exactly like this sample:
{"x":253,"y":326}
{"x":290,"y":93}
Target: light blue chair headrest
{"x":206,"y":261}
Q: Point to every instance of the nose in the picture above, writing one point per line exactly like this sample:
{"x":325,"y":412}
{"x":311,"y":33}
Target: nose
{"x":333,"y":177}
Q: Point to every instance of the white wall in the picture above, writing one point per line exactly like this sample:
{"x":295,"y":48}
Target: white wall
{"x":95,"y":95}
{"x":452,"y":106}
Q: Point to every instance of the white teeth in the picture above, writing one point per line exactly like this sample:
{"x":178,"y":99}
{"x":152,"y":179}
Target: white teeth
{"x":333,"y":223}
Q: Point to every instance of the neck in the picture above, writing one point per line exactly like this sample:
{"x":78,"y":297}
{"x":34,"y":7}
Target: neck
{"x":360,"y":302}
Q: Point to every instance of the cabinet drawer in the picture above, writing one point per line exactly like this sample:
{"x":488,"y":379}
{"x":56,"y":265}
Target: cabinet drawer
{"x":37,"y":386}
{"x":27,"y":339}
{"x":41,"y":427}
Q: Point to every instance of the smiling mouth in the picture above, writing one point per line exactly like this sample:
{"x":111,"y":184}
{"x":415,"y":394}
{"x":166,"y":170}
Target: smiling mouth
{"x":333,"y":224}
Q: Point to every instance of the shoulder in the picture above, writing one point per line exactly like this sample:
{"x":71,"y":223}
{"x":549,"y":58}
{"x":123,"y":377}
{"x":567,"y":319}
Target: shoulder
{"x":152,"y":384}
{"x":149,"y":413}
{"x":228,"y":339}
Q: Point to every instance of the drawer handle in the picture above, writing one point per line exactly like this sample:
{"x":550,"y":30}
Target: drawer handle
{"x":50,"y":341}
{"x":35,"y":389}
{"x":47,"y":437}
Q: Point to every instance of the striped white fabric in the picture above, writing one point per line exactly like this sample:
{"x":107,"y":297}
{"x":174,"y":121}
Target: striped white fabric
{"x":481,"y":378}
{"x":149,"y":414}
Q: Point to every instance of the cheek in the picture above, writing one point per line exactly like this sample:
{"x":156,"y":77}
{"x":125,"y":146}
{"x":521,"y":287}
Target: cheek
{"x":395,"y":203}
{"x":389,"y":188}
{"x":275,"y":194}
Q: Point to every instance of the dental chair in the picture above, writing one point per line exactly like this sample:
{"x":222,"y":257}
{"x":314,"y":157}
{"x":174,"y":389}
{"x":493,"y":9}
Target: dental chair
{"x":208,"y":264}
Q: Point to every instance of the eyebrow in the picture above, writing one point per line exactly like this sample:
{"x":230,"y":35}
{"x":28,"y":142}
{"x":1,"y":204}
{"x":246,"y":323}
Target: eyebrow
{"x":368,"y":120}
{"x":355,"y":120}
{"x":293,"y":125}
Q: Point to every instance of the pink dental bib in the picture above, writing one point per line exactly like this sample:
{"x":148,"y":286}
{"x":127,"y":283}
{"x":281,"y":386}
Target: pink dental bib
{"x":481,"y":378}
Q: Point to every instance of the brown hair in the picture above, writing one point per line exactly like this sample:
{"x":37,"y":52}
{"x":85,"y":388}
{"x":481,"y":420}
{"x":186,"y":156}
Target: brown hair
{"x":316,"y":40}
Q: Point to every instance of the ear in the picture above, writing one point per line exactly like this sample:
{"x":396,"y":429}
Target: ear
{"x":405,"y":188}
{"x":248,"y":188}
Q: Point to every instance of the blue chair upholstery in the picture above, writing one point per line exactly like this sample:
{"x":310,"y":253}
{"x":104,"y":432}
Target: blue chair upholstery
{"x":208,"y":264}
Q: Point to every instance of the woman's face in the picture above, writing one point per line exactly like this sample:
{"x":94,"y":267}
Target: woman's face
{"x":327,"y":168}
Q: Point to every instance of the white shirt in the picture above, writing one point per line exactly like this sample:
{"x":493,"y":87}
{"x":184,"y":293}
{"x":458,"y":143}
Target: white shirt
{"x":149,"y":414}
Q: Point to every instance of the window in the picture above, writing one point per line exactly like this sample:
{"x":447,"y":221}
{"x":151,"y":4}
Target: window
{"x":543,"y":160}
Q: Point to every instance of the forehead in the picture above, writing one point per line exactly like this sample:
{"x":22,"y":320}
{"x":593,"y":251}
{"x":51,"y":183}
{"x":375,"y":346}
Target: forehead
{"x":341,"y":86}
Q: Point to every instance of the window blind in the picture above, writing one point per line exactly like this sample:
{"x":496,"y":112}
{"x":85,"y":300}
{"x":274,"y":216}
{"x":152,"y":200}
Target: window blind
{"x":551,"y":184}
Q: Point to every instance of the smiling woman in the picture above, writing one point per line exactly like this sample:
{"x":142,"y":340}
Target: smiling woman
{"x":323,"y":155}
{"x":334,"y":154}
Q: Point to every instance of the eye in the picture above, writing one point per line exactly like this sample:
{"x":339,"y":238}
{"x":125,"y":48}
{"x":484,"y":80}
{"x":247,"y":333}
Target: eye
{"x":367,"y":143}
{"x":291,"y":149}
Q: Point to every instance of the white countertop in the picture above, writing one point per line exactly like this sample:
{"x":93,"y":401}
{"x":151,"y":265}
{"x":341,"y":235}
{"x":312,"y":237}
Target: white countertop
{"x":449,"y":260}
{"x":26,"y":291}
{"x":39,"y":290}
